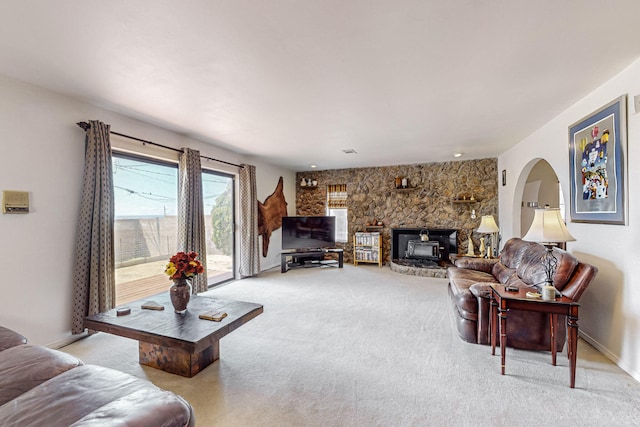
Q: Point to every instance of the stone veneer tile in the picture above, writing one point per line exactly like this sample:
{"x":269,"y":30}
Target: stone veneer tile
{"x":429,"y":203}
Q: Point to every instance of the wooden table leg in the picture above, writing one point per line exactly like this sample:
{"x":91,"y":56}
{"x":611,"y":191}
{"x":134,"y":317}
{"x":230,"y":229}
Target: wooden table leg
{"x":553,"y":318}
{"x":503,"y":334}
{"x":572,"y":344}
{"x":176,"y":360}
{"x":493,"y":323}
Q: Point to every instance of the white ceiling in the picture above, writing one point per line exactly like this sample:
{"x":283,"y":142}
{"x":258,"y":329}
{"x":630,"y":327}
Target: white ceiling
{"x":298,"y":81}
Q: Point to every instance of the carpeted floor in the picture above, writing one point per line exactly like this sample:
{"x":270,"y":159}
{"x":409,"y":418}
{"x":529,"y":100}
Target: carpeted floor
{"x":364,"y":346}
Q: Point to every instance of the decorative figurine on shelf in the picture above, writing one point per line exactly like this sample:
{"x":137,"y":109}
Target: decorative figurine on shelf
{"x":470,"y":249}
{"x":405,"y":182}
{"x":303,"y":183}
{"x":482,"y":253}
{"x":398,"y":182}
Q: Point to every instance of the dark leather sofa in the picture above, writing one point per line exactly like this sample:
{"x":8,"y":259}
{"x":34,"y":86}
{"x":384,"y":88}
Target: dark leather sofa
{"x":40,"y":386}
{"x":519,"y":264}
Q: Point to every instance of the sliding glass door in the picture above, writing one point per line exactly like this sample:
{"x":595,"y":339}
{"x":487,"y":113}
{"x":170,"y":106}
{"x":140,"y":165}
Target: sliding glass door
{"x":145,"y":227}
{"x":218,"y":195}
{"x":146,"y":194}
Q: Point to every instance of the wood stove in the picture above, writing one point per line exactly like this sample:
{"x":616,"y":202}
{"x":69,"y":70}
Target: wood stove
{"x":407,"y":245}
{"x":421,"y":249}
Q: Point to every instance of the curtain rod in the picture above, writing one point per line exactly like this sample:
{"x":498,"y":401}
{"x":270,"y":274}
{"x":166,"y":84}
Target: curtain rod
{"x":86,"y":126}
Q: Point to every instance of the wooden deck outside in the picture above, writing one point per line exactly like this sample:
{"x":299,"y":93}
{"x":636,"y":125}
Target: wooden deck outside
{"x":141,"y":288}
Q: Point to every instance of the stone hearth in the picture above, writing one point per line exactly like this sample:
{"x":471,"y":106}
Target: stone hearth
{"x":439,"y":271}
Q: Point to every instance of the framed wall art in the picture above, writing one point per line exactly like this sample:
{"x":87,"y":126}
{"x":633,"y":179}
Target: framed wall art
{"x":597,"y":157}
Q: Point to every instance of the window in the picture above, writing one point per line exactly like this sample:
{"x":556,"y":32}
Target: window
{"x":337,"y":206}
{"x":218,"y":196}
{"x":145,"y":201}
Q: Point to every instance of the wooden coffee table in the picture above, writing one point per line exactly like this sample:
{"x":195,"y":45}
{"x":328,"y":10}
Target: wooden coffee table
{"x":180,"y":344}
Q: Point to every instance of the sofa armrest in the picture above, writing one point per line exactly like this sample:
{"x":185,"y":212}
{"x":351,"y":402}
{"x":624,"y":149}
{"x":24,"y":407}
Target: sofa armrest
{"x":582,"y":277}
{"x":480,"y":264}
{"x":24,"y":367}
{"x":88,"y":395}
{"x":148,"y":407}
{"x":482,"y":292}
{"x":9,"y":338}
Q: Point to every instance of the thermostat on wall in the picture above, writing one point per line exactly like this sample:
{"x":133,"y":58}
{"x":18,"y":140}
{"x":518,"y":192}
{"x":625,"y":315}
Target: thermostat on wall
{"x":14,"y":202}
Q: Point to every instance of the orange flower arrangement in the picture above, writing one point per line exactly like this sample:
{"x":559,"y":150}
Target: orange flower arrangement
{"x":183,"y":266}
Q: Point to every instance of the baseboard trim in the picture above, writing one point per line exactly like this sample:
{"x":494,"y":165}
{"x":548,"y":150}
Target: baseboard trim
{"x":611,"y":356}
{"x":66,"y":341}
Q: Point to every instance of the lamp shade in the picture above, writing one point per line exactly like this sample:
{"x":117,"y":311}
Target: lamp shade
{"x":548,"y":227}
{"x":488,"y":225}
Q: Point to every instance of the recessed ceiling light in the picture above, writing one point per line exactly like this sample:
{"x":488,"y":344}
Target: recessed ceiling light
{"x":349,"y":151}
{"x":313,"y":166}
{"x":457,"y":155}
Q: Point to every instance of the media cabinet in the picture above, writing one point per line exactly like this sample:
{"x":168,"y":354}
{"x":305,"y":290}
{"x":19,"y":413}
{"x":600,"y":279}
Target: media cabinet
{"x":309,"y":258}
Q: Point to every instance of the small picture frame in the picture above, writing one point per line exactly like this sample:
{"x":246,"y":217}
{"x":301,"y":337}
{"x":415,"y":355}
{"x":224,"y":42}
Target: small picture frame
{"x":504,"y":177}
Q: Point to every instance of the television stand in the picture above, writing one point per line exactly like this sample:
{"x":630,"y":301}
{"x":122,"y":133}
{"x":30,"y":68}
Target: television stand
{"x":309,"y":258}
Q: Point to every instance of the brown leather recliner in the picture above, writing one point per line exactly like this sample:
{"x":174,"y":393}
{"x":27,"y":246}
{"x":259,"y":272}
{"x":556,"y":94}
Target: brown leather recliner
{"x":520,"y":265}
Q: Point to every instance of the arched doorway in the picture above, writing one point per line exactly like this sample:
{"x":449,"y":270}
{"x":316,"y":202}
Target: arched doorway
{"x":541,"y":188}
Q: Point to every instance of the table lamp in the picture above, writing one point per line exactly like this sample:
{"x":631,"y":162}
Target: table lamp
{"x":488,"y":226}
{"x":548,"y":228}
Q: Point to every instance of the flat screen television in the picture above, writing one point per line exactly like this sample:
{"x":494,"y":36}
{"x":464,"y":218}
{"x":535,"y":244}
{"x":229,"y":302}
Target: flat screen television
{"x":308,"y":232}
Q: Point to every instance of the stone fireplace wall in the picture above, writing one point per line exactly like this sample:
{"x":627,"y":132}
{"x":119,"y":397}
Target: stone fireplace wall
{"x":437,"y":197}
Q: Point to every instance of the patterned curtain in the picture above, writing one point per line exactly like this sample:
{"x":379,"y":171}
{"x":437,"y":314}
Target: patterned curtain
{"x":94,"y":286}
{"x":191,"y":233}
{"x":249,"y":249}
{"x":337,"y":196}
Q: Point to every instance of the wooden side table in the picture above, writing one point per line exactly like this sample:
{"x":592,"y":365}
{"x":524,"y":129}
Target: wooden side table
{"x":502,"y":301}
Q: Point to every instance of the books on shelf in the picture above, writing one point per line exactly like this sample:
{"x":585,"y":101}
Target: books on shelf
{"x":367,"y":239}
{"x":367,"y":247}
{"x":367,"y":254}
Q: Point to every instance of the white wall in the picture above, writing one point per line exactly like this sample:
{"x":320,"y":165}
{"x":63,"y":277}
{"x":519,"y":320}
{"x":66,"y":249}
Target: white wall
{"x":43,"y":153}
{"x":610,"y":307}
{"x":267,"y":179}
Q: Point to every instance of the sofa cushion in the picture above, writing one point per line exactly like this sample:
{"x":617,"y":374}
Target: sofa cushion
{"x":9,"y":338}
{"x":463,"y":276}
{"x":73,"y":396}
{"x":474,"y":263}
{"x":25,"y":366}
{"x":502,"y":273}
{"x":530,"y":269}
{"x":512,"y":253}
